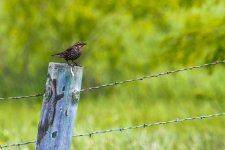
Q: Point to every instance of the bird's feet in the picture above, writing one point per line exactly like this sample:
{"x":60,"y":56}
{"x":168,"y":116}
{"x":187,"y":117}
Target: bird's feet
{"x":75,"y":64}
{"x":69,"y":63}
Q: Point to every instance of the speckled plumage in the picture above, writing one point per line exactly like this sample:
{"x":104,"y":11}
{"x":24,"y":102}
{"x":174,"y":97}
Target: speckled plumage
{"x":71,"y":53}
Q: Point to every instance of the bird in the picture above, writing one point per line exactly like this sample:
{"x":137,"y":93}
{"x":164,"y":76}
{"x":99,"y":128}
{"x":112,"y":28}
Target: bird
{"x":71,"y":53}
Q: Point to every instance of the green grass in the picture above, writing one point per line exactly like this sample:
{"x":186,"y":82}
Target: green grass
{"x":189,"y":94}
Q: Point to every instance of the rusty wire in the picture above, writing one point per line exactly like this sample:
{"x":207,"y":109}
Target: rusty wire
{"x":125,"y":81}
{"x":90,"y":134}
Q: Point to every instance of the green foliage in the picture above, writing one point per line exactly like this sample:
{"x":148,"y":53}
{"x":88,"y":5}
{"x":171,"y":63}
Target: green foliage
{"x":126,"y":39}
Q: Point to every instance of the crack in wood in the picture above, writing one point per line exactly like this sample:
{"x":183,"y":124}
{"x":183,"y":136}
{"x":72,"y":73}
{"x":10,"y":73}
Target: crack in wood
{"x":51,"y":100}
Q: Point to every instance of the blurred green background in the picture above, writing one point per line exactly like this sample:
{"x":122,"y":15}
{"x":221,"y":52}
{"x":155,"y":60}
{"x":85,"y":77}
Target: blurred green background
{"x":126,"y":39}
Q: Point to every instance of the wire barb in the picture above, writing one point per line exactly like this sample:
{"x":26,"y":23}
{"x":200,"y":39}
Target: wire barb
{"x":90,"y":134}
{"x":125,"y":81}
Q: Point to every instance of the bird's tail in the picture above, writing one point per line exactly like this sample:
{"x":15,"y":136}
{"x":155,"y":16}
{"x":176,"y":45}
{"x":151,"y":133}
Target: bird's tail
{"x":56,"y":54}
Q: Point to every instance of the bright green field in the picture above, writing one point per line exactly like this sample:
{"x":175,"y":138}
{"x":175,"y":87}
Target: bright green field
{"x":126,"y":39}
{"x":187,"y":94}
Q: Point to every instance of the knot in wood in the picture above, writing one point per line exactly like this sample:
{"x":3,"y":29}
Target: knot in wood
{"x":75,"y":96}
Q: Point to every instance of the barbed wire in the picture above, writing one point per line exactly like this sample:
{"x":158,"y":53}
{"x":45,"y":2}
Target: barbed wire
{"x":152,"y":76}
{"x":125,"y":81}
{"x":149,"y":125}
{"x":21,"y":97}
{"x":17,"y":144}
{"x":90,"y":134}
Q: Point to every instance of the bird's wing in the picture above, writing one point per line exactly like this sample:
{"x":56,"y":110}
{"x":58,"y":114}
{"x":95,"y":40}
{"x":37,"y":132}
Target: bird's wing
{"x":69,"y":49}
{"x":61,"y":54}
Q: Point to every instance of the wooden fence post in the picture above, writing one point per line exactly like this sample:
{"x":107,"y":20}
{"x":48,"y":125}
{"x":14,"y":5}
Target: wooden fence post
{"x":59,"y":107}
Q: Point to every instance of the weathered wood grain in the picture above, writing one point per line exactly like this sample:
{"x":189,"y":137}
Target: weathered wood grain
{"x":59,"y":107}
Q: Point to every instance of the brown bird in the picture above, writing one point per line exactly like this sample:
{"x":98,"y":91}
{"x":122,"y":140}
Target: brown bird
{"x":72,"y":52}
